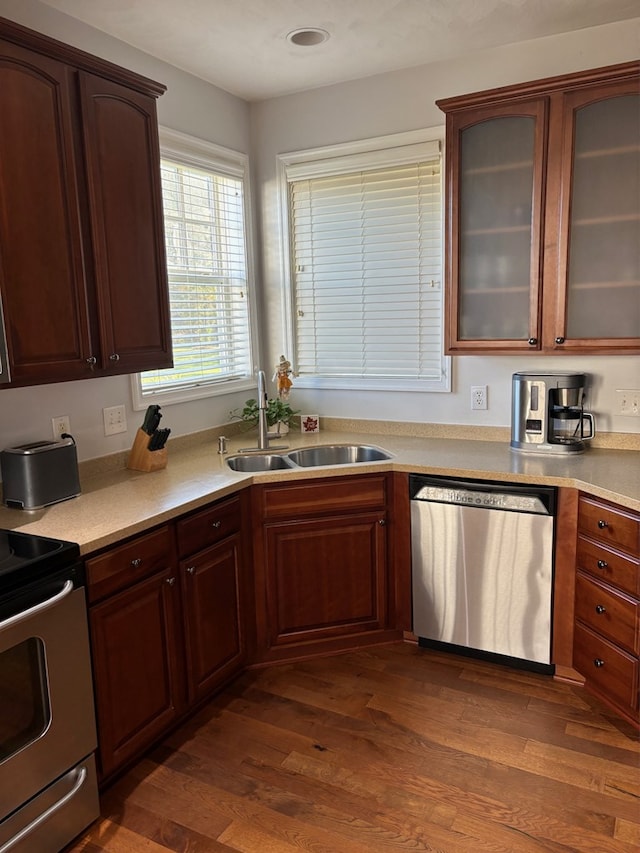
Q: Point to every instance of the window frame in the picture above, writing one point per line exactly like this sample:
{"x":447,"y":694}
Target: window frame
{"x":201,"y":154}
{"x":393,"y":149}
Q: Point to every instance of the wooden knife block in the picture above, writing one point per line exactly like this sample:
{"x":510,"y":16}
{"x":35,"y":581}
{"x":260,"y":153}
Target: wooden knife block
{"x":143,"y":459}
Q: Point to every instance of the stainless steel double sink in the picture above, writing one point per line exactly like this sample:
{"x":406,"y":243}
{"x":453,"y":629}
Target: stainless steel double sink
{"x":308,"y":457}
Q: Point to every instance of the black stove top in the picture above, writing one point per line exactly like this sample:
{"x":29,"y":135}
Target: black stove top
{"x":25,"y":558}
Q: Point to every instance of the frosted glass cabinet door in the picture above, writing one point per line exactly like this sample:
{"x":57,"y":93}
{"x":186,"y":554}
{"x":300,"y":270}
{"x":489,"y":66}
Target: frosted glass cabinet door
{"x":603,"y":228}
{"x":498,"y":233}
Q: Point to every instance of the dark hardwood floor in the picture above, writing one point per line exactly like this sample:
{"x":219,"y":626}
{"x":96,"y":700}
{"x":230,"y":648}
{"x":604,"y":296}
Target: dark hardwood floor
{"x":388,"y":749}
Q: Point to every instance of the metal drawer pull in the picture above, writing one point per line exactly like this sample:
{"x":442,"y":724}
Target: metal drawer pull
{"x":602,"y":524}
{"x":602,"y":564}
{"x":114,"y":357}
{"x":382,"y":522}
{"x":559,"y":339}
{"x":30,"y":828}
{"x":600,"y":608}
{"x":532,"y":342}
{"x":191,"y":570}
{"x":216,"y":524}
{"x":171,"y":581}
{"x":598,"y":662}
{"x":135,"y":563}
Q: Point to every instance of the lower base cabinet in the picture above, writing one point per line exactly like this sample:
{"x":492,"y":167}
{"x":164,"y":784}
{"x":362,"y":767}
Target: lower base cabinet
{"x":606,"y":647}
{"x":321,"y":566}
{"x":137,"y":647}
{"x":165,"y":632}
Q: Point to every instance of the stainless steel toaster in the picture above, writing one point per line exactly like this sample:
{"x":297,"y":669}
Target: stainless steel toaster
{"x":41,"y":473}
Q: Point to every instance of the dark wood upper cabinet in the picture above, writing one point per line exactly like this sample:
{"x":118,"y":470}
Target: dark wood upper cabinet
{"x":543,"y":216}
{"x":82,"y":264}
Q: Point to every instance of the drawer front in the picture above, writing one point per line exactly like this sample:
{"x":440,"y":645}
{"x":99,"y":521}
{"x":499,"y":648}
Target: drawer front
{"x":608,"y":612}
{"x":347,"y":494}
{"x":607,"y":524}
{"x":124,"y":565}
{"x":209,"y":526}
{"x":609,"y":669}
{"x":608,"y":565}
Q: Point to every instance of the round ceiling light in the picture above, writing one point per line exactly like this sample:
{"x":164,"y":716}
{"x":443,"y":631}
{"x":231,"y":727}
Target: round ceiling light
{"x":308,"y":37}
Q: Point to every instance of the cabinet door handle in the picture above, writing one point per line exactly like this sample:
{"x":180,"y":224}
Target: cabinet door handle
{"x":602,"y":524}
{"x":216,"y":524}
{"x":598,"y":662}
{"x":382,"y":522}
{"x":600,"y":608}
{"x":602,"y":564}
{"x":135,"y":563}
{"x":559,"y":340}
{"x":171,"y":581}
{"x":191,"y":570}
{"x":114,"y":357}
{"x":91,"y":360}
{"x":532,"y":342}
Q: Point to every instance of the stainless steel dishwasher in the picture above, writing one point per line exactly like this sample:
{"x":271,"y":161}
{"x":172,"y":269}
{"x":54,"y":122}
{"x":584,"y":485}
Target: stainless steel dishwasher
{"x":482,"y":568}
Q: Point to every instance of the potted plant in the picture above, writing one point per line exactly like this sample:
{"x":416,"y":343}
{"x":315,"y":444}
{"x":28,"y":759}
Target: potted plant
{"x":279,"y":414}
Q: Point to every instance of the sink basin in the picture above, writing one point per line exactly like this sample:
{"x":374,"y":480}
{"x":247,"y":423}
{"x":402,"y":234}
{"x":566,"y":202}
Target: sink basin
{"x":337,"y":454}
{"x":258,"y":462}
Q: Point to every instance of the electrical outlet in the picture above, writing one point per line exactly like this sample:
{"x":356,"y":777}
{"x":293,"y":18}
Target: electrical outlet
{"x":60,"y":425}
{"x":628,"y":403}
{"x":478,"y":397}
{"x":115,"y":420}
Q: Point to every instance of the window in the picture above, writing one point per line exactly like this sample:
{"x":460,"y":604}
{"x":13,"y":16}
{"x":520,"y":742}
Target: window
{"x":365,"y":244}
{"x":204,"y":198}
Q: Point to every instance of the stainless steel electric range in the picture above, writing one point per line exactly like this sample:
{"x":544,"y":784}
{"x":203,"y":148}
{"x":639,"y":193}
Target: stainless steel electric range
{"x":48,"y":788}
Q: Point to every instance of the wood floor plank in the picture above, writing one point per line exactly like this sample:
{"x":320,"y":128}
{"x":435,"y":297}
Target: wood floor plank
{"x":383,"y":750}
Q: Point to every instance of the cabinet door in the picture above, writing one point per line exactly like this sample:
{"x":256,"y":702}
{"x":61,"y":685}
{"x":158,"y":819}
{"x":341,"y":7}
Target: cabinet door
{"x":495,"y":187}
{"x":212,"y":605}
{"x":123,"y":167}
{"x":598,"y":272}
{"x":136,"y":653}
{"x":41,"y":265}
{"x":326,"y":577}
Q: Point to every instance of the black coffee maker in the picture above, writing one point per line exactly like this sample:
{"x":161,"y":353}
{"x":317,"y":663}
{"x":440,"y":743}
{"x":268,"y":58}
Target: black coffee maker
{"x":547,"y":413}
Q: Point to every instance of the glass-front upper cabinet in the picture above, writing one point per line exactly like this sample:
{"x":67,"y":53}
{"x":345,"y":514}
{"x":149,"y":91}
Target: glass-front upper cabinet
{"x":543,"y":216}
{"x":599,"y":256}
{"x":496,"y":166}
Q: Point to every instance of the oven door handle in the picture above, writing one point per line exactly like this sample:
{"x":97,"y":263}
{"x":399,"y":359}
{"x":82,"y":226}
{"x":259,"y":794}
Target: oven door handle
{"x":66,"y":590}
{"x":31,"y":827}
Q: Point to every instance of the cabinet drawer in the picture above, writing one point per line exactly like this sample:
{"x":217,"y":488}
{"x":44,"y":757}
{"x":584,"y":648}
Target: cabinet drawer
{"x":126,"y":564}
{"x":613,"y":672}
{"x":608,"y":612}
{"x":608,"y":565}
{"x":209,"y":526}
{"x":346,"y":494}
{"x":608,"y":524}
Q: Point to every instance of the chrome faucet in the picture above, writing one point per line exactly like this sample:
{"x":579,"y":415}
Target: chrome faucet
{"x":263,"y":429}
{"x":264,"y":436}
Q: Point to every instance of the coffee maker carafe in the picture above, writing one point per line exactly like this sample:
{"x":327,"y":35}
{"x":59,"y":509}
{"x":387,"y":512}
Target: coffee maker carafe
{"x":547,"y":414}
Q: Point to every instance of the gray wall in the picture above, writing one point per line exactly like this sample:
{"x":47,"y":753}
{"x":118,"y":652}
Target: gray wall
{"x":404,"y":101}
{"x":389,"y":103}
{"x":191,"y":106}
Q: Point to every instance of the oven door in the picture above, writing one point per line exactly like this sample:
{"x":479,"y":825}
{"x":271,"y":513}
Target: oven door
{"x":46,"y":699}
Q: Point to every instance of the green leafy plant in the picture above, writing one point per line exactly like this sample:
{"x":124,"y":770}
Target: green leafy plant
{"x":277,"y":412}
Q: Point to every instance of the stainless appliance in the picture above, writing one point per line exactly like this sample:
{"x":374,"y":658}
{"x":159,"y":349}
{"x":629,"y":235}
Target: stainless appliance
{"x":48,"y":788}
{"x":40,"y":473}
{"x":482,"y":568}
{"x":547,"y":414}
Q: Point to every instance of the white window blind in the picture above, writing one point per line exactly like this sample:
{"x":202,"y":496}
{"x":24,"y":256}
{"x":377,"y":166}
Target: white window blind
{"x":366,"y":261}
{"x":207,"y":267}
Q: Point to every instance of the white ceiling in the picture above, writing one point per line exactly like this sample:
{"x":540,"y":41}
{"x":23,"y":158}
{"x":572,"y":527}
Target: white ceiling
{"x":241,"y":46}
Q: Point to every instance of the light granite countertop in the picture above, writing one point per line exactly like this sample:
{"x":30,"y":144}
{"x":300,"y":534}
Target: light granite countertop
{"x":119,"y":503}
